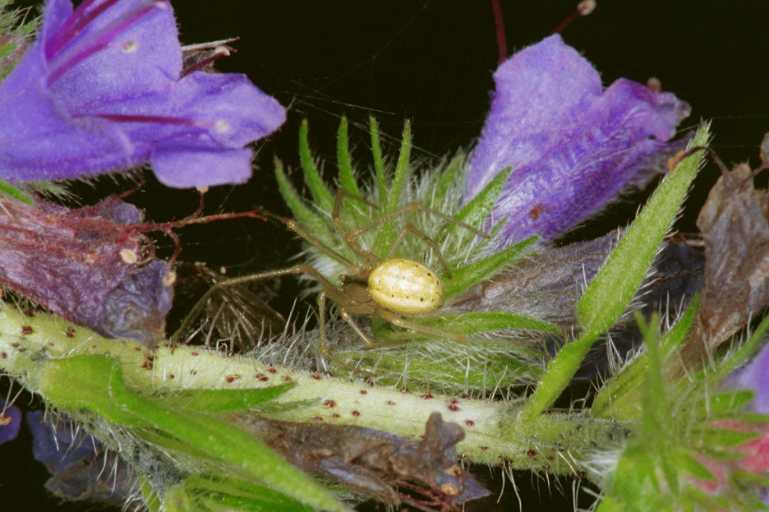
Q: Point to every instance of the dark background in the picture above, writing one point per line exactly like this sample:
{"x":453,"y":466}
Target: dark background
{"x":431,"y":61}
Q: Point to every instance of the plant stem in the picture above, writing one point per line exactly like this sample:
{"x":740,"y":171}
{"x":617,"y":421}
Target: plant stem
{"x":553,"y":442}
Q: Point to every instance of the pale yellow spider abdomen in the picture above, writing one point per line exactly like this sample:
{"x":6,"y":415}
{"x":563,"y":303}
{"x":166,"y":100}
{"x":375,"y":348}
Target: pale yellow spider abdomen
{"x":405,"y":286}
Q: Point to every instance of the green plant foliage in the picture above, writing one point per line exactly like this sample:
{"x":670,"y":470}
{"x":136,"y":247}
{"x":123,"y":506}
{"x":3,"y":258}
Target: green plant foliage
{"x":209,"y":493}
{"x":17,"y":28}
{"x":620,"y":395}
{"x":684,"y":456}
{"x":95,"y":383}
{"x":611,"y":291}
{"x":430,"y":202}
{"x":417,"y":214}
{"x":15,"y":192}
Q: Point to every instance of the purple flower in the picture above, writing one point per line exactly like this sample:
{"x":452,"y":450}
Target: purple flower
{"x":10,"y":421}
{"x":573,"y":146}
{"x":77,"y":462}
{"x":58,"y":448}
{"x":103,"y":89}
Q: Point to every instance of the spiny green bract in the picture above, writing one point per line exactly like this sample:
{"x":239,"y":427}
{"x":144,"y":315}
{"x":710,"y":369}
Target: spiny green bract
{"x":420,"y":216}
{"x":400,"y":214}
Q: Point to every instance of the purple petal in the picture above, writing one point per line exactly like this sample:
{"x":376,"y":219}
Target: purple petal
{"x":57,"y":448}
{"x":754,"y":376}
{"x":144,"y":57}
{"x":54,"y":17}
{"x":10,"y":421}
{"x":103,"y":89}
{"x":194,"y":168}
{"x":573,"y":147}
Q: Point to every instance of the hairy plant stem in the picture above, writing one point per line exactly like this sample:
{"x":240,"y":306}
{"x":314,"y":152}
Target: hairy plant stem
{"x":555,"y":443}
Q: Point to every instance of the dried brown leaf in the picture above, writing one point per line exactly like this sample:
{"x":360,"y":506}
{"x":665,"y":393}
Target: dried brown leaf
{"x":92,"y":266}
{"x":377,"y":464}
{"x":736,"y":233}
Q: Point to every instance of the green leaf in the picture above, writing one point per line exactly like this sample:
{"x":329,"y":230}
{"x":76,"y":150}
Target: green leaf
{"x":476,"y":322}
{"x":727,"y":403}
{"x":449,"y":178}
{"x":689,"y":464}
{"x":234,"y":495}
{"x":725,"y":438}
{"x":402,"y":169}
{"x":386,"y":234}
{"x":15,"y":192}
{"x":654,"y":396}
{"x":610,"y":292}
{"x":379,"y":163}
{"x":743,"y":354}
{"x":469,"y":275}
{"x":322,"y":196}
{"x":347,"y":180}
{"x":559,"y":372}
{"x":95,"y":383}
{"x":619,"y":397}
{"x":478,"y":209}
{"x":613,"y":288}
{"x":223,"y":400}
{"x":302,"y":213}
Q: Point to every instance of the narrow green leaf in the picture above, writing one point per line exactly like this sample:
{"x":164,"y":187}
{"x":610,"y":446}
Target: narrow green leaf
{"x":222,"y":400}
{"x":347,"y":180}
{"x":476,"y":322}
{"x":322,"y":196}
{"x":478,"y":209}
{"x":655,"y":419}
{"x":689,"y":464}
{"x":611,"y":290}
{"x":96,"y":383}
{"x":379,"y":163}
{"x":468,"y":276}
{"x":449,"y":178}
{"x":353,"y":206}
{"x":302,"y":213}
{"x":14,"y":192}
{"x":727,"y":403}
{"x":675,"y":337}
{"x":402,"y":169}
{"x":619,"y":397}
{"x":743,"y":354}
{"x":559,"y":372}
{"x":723,"y":437}
{"x":653,"y":397}
{"x":387,"y":232}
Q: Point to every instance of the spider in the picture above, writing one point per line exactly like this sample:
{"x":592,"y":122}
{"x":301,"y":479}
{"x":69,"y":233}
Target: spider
{"x":394,"y":289}
{"x":378,"y":268}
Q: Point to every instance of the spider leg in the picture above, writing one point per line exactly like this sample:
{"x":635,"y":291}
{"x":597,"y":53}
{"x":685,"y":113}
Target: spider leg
{"x":328,"y":287}
{"x":352,"y":243}
{"x":410,"y":228}
{"x":399,"y":321}
{"x":355,"y":327}
{"x":352,"y":237}
{"x":323,"y":343}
